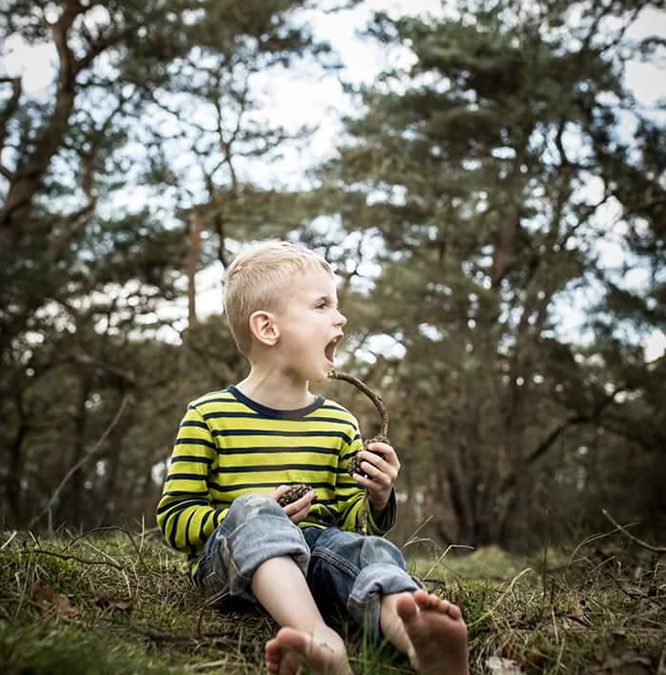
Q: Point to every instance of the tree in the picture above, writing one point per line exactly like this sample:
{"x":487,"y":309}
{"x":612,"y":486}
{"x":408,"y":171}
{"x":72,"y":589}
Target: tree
{"x":90,"y":248}
{"x":487,"y":170}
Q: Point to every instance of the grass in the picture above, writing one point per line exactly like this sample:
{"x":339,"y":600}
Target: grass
{"x":120,"y":602}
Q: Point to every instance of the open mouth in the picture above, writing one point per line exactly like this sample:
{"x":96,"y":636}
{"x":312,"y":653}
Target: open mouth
{"x":329,"y":351}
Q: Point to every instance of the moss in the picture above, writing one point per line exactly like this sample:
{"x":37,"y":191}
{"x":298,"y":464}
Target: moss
{"x":54,"y":649}
{"x":134,"y":610}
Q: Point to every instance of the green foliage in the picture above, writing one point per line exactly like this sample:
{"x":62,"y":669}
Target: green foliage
{"x":95,"y":237}
{"x":485,"y":172}
{"x":40,"y":650}
{"x":479,"y":181}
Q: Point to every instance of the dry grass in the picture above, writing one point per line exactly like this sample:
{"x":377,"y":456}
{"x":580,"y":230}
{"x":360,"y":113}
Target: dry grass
{"x":119,"y":602}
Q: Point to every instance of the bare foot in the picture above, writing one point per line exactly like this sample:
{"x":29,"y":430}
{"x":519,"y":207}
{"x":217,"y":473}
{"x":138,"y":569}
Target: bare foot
{"x":290,"y":649}
{"x":437,"y":633}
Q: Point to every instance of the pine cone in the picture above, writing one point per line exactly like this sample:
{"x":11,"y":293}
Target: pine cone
{"x":355,"y":467}
{"x":355,"y":463}
{"x":295,"y":492}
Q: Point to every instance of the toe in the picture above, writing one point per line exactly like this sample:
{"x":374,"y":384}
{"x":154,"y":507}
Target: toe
{"x":421,"y":598}
{"x":454,"y":612}
{"x":406,"y":606}
{"x":272,"y":651}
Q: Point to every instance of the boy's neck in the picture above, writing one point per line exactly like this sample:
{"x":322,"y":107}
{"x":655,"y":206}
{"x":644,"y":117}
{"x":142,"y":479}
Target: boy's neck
{"x":276,"y":390}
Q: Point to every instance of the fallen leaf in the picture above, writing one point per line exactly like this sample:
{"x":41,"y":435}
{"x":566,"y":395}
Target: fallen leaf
{"x":42,"y":594}
{"x":47,"y":599}
{"x":64,"y":607}
{"x":105,"y":601}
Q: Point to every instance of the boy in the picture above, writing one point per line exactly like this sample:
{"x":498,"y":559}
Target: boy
{"x":239,"y":449}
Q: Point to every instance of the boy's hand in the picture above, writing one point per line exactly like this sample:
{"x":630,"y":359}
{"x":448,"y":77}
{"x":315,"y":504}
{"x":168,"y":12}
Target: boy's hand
{"x":297,"y":510}
{"x":382,"y":465}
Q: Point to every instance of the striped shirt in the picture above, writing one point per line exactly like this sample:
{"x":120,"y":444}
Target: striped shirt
{"x":229,"y":445}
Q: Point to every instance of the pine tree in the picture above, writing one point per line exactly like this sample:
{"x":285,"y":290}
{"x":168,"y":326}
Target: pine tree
{"x":487,"y":170}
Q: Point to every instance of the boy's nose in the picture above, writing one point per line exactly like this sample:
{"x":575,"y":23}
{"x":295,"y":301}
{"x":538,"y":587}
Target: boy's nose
{"x":342,"y":319}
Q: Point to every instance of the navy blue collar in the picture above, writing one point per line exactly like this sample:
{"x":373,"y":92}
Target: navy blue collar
{"x":273,"y":412}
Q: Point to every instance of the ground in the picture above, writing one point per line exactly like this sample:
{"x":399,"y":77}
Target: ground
{"x":118,"y":601}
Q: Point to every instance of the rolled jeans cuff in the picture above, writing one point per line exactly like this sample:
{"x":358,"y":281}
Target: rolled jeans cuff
{"x":255,"y":530}
{"x":372,"y":583}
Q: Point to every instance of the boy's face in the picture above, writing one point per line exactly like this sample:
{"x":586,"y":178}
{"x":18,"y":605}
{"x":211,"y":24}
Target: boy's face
{"x":310,"y":327}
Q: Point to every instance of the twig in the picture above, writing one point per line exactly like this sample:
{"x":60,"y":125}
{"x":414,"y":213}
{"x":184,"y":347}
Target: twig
{"x":80,"y":463}
{"x":635,"y":595}
{"x":162,"y":636}
{"x":106,"y":528}
{"x":372,"y":395}
{"x":413,"y":539}
{"x":113,"y":560}
{"x":159,"y":635}
{"x":585,"y":542}
{"x":81,"y":560}
{"x":9,"y":541}
{"x":636,"y":540}
{"x":95,"y":530}
{"x":382,"y":437}
{"x":198,"y":667}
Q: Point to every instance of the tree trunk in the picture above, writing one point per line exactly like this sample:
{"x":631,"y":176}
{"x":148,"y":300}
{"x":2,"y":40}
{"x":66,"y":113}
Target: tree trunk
{"x":15,"y":470}
{"x":193,"y":266}
{"x":28,"y":177}
{"x":73,"y":492}
{"x":116,"y":438}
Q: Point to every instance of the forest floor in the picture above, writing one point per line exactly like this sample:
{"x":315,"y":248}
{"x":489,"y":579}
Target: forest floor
{"x":116,"y":601}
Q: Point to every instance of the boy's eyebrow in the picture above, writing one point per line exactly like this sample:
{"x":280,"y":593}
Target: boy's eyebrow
{"x":327,"y":298}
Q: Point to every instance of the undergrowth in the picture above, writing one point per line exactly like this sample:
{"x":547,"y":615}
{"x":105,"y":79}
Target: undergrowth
{"x":117,"y":601}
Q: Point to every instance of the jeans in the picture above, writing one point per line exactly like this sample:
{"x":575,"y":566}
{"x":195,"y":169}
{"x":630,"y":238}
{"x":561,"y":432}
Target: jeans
{"x":347,"y":573}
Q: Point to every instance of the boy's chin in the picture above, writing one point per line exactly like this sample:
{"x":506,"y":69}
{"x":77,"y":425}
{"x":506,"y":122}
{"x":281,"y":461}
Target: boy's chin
{"x":320,"y":377}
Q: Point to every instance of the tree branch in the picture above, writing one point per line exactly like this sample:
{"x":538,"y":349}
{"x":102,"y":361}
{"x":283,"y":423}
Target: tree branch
{"x":95,"y":448}
{"x":85,"y":561}
{"x":372,"y":395}
{"x":9,"y":109}
{"x":636,"y":540}
{"x":544,"y":446}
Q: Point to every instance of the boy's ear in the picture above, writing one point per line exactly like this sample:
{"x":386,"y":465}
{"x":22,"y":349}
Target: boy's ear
{"x":263,"y":328}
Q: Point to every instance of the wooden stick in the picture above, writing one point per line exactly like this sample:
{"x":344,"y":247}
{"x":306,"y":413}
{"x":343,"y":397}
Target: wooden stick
{"x":640,"y":542}
{"x":373,"y":396}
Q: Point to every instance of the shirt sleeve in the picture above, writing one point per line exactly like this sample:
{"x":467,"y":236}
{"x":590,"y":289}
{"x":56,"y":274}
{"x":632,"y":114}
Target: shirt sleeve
{"x":352,"y":502}
{"x":185,"y":514}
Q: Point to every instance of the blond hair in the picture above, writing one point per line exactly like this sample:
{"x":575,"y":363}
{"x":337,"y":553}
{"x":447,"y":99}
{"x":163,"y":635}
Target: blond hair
{"x":256,"y":280}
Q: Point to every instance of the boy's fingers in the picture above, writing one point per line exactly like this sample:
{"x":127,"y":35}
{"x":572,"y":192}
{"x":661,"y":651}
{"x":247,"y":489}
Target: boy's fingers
{"x":383,"y":453}
{"x":379,"y":469}
{"x":362,"y":480}
{"x":383,"y":449}
{"x":279,"y":491}
{"x":371,"y":469}
{"x":299,"y":513}
{"x":300,"y":504}
{"x":380,"y":448}
{"x":375,"y":460}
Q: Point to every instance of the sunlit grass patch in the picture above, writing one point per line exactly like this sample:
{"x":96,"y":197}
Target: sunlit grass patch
{"x":450,"y":564}
{"x":120,"y":602}
{"x":587,"y":610}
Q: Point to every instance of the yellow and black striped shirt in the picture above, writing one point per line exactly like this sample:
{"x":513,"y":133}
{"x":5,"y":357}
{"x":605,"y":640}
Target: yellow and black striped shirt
{"x":229,"y":445}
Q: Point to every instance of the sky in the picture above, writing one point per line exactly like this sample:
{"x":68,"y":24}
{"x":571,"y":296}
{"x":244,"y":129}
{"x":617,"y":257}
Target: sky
{"x":307,"y":95}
